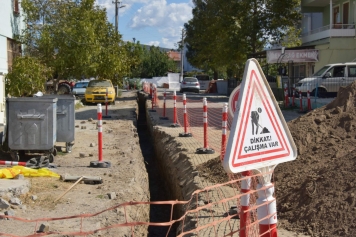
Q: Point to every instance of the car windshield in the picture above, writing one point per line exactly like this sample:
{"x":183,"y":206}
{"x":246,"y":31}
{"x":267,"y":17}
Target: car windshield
{"x":321,"y":71}
{"x":99,"y":84}
{"x":190,"y":79}
{"x":81,"y":85}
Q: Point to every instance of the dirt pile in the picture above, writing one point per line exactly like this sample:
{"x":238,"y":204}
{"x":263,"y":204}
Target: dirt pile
{"x":316,"y":193}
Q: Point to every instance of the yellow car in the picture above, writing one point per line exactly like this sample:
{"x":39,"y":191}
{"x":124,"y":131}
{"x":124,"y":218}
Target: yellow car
{"x":96,"y":92}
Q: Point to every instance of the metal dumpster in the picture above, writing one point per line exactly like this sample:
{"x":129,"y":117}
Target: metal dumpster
{"x":32,"y":125}
{"x":65,"y":119}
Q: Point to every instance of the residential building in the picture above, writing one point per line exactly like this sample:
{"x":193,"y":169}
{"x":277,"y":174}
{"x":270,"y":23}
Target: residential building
{"x":329,"y":26}
{"x":10,"y":27}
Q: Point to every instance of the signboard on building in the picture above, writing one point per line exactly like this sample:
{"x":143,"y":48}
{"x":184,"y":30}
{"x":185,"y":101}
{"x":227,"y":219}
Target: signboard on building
{"x":297,"y":56}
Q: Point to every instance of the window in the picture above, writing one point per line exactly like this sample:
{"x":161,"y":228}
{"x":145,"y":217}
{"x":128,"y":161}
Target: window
{"x":16,"y":6}
{"x":345,"y":13}
{"x":352,"y":71}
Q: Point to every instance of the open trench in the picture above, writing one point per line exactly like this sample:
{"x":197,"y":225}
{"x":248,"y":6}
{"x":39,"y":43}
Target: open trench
{"x":158,"y":192}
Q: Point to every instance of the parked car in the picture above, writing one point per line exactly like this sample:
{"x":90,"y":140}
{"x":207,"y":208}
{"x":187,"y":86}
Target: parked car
{"x":328,"y":79}
{"x":190,"y":84}
{"x":96,"y":92}
{"x":80,"y":88}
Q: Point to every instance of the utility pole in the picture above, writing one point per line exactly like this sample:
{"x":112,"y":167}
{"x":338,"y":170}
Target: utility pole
{"x":181,"y":57}
{"x":117,"y":7}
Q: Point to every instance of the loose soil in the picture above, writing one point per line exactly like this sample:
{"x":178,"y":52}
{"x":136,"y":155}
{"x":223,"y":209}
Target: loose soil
{"x":126,"y":180}
{"x":316,"y":193}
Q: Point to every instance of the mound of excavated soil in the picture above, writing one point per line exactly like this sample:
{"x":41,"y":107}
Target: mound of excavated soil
{"x":316,"y":193}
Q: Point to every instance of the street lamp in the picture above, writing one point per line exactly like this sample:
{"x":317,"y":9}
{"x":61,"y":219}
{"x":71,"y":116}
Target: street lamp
{"x":117,"y":7}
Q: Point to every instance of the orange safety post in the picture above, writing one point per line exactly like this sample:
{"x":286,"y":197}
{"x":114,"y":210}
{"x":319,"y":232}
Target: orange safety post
{"x":100,"y":163}
{"x":224,"y":131}
{"x":245,"y":203}
{"x":309,"y":102}
{"x":175,"y":110}
{"x":164,"y":106}
{"x":301,"y":101}
{"x":185,"y":119}
{"x":205,"y":149}
{"x":286,"y":98}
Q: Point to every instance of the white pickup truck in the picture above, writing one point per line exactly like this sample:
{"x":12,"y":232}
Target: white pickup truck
{"x":328,"y":79}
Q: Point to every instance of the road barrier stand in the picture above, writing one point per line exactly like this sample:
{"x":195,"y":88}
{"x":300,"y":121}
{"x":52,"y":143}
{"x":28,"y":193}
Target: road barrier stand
{"x":245,"y":220}
{"x":164,"y":106}
{"x":175,"y":124}
{"x":185,"y":119}
{"x":205,"y":149}
{"x":100,"y":163}
{"x":224,"y":131}
{"x":286,"y":102}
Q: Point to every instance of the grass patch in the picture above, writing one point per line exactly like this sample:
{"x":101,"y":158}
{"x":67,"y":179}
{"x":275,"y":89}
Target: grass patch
{"x":100,"y":196}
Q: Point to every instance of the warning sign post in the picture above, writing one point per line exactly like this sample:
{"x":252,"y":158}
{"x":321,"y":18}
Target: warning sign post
{"x":259,"y":140}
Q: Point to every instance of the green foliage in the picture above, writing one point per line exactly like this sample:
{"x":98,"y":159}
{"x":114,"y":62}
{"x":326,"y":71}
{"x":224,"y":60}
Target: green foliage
{"x":153,"y":63}
{"x":27,"y":77}
{"x":223,"y":33}
{"x":75,"y":39}
{"x":133,"y":83}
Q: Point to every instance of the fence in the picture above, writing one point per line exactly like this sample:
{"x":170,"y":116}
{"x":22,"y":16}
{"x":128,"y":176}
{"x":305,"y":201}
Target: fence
{"x":243,"y":204}
{"x":212,"y":211}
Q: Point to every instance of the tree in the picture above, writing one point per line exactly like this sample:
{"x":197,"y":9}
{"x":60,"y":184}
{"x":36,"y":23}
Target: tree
{"x":155,"y":63}
{"x":74,"y":38}
{"x":223,"y":33}
{"x":26,"y":77}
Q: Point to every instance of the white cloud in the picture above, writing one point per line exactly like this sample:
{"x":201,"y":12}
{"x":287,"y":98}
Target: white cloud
{"x":153,"y":43}
{"x":168,"y":19}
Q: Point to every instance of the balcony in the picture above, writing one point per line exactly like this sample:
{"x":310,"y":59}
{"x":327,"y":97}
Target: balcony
{"x":337,"y":30}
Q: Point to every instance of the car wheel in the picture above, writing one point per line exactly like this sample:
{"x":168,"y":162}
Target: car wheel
{"x":320,"y":92}
{"x":198,"y":91}
{"x":181,"y":91}
{"x":113,"y":102}
{"x":63,"y":89}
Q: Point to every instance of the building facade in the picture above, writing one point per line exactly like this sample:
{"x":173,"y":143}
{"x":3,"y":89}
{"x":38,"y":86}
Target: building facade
{"x":10,"y":27}
{"x":329,"y":27}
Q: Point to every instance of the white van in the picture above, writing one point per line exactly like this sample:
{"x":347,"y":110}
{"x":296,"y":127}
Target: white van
{"x":328,"y":79}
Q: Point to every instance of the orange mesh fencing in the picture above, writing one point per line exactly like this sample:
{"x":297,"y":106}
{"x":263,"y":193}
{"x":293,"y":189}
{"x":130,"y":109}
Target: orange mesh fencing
{"x":195,"y":118}
{"x":212,"y":211}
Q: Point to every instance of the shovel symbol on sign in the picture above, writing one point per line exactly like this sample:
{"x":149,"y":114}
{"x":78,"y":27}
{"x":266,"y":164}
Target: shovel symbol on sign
{"x":255,"y":119}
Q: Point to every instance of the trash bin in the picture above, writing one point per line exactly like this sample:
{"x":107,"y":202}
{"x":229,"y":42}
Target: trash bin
{"x":65,"y":119}
{"x":32,"y":126}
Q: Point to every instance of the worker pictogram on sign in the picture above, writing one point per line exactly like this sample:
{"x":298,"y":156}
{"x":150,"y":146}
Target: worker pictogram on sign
{"x":259,"y":135}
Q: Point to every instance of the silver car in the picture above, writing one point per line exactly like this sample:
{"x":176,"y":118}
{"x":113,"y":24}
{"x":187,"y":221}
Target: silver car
{"x":79,"y":88}
{"x":190,"y":84}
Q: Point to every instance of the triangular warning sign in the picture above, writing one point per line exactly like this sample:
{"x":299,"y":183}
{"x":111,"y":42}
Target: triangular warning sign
{"x":259,"y":135}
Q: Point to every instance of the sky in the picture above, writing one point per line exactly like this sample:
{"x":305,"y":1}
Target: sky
{"x":152,"y":22}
